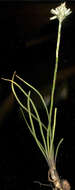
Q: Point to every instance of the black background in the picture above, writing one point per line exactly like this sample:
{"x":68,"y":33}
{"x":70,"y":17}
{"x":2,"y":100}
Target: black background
{"x":27,"y":45}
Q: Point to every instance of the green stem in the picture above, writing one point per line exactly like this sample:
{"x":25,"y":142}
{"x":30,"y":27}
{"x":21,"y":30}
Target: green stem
{"x":54,"y":83}
{"x":55,"y":70}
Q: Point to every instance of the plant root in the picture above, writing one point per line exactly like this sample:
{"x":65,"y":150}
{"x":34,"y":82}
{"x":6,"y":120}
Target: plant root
{"x":57,"y":184}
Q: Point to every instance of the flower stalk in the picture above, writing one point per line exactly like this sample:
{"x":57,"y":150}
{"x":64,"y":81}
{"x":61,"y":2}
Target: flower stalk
{"x":54,"y":83}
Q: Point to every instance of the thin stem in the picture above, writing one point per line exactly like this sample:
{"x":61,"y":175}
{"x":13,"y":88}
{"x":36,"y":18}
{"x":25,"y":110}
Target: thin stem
{"x":55,"y":70}
{"x":53,"y":133}
{"x":54,"y":83}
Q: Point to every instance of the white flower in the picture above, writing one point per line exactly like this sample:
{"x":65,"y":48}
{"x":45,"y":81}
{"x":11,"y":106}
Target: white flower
{"x":61,"y":12}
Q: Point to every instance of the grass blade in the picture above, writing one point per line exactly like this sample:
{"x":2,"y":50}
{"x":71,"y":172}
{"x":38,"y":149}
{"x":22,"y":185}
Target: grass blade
{"x":18,"y":100}
{"x":33,"y":129}
{"x":38,"y":117}
{"x":58,"y":148}
{"x":41,"y":97}
{"x":37,"y":141}
{"x":53,"y":133}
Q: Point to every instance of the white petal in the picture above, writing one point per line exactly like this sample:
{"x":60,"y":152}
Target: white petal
{"x":53,"y":12}
{"x":68,"y":12}
{"x":53,"y":17}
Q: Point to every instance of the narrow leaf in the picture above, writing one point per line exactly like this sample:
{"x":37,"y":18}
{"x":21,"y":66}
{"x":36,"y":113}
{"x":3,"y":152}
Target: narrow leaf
{"x":53,"y":132}
{"x":32,"y":124}
{"x":18,"y":100}
{"x":41,"y":97}
{"x":40,"y":125}
{"x":58,"y":148}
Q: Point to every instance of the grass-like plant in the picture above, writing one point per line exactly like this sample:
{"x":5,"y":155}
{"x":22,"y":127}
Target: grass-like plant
{"x":46,"y":146}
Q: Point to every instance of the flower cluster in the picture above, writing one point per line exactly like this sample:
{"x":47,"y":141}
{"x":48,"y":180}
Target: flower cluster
{"x":61,"y":12}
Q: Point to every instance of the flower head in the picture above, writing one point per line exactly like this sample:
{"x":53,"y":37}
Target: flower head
{"x":61,"y":12}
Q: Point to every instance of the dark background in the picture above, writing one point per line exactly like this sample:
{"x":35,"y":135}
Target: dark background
{"x":27,"y":45}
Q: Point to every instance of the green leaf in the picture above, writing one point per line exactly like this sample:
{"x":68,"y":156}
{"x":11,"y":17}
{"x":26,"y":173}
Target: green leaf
{"x":37,"y":141}
{"x":18,"y":100}
{"x":58,"y":148}
{"x":53,"y":133}
{"x":33,"y":129}
{"x":41,"y":97}
{"x":38,"y":117}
